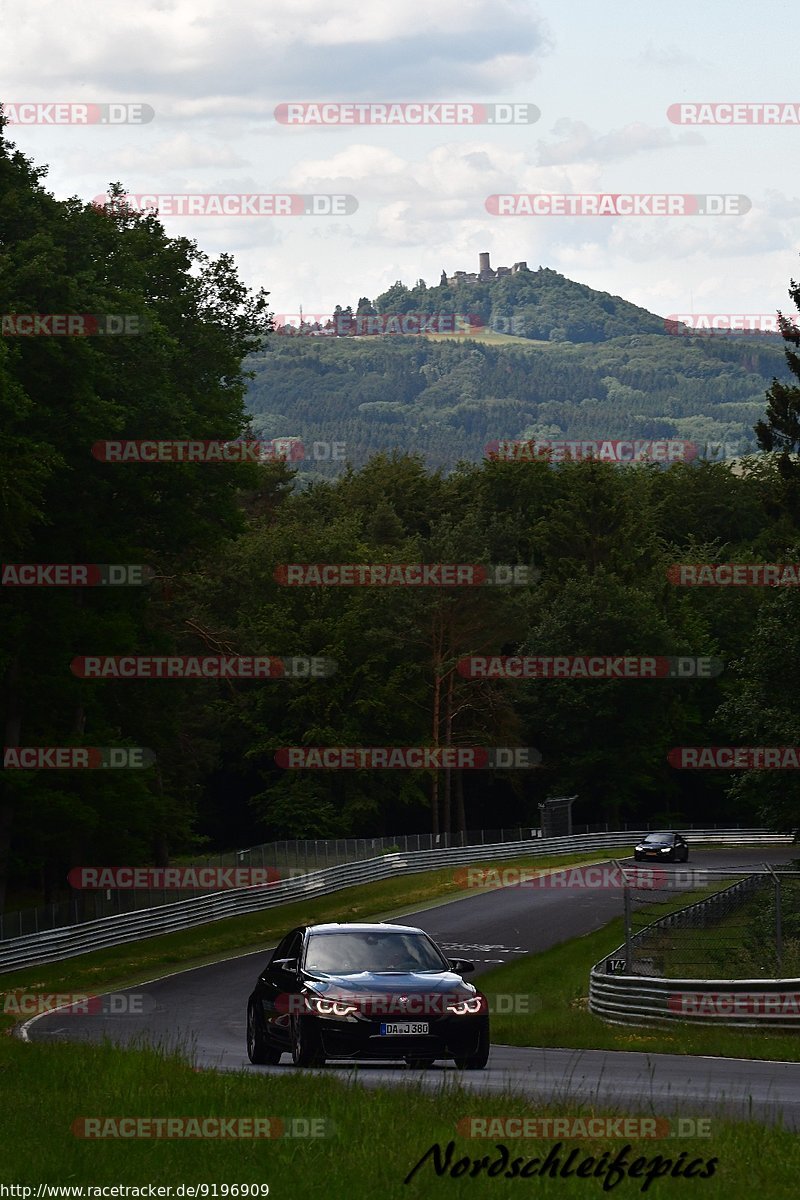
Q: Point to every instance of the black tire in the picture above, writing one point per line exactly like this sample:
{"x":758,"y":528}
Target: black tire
{"x":637,"y":858}
{"x":259,"y":1050}
{"x":477,"y":1061}
{"x":306,"y":1044}
{"x":420,"y":1064}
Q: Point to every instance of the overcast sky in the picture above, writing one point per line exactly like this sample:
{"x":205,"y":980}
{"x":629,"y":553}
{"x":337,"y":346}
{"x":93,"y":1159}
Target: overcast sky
{"x":602,"y":75}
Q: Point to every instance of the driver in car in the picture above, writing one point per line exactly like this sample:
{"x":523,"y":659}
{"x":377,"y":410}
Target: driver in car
{"x":392,"y":955}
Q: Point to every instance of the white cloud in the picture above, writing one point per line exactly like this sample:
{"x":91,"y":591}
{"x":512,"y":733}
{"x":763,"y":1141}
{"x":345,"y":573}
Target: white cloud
{"x":667,"y":58}
{"x":181,"y":152}
{"x":579,"y":143}
{"x":214,"y":72}
{"x":193,"y":48}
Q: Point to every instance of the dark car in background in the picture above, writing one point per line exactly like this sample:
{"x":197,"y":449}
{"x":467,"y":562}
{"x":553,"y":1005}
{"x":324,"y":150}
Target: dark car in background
{"x":661,"y":847}
{"x":366,"y":991}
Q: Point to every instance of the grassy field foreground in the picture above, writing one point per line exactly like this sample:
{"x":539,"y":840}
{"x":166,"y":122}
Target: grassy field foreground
{"x":374,"y":1137}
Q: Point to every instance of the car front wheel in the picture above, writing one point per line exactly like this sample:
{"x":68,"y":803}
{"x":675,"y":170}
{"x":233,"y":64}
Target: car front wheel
{"x":306,"y":1044}
{"x":259,"y":1050}
{"x":478,"y":1060}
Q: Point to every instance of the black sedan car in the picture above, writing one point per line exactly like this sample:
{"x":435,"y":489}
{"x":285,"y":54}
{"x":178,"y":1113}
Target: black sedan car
{"x":366,"y":991}
{"x":662,"y":847}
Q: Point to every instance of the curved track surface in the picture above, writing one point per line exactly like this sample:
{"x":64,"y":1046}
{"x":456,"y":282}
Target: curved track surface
{"x":204,"y":1010}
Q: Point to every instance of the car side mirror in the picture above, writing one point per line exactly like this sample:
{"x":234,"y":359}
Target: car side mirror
{"x":461,"y":966}
{"x":289,"y":965}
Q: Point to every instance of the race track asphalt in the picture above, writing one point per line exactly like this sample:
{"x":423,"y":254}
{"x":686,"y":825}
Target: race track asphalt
{"x":203,"y":1011}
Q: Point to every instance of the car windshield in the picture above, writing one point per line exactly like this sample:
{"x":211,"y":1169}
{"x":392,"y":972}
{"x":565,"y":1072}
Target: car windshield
{"x":658,"y":839}
{"x":351,"y":953}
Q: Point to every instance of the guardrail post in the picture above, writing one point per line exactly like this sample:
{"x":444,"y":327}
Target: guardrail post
{"x":778,"y":925}
{"x":778,"y":916}
{"x":626,"y":902}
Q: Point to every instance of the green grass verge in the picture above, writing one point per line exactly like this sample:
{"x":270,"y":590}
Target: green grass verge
{"x":377,"y":1137}
{"x":119,"y":966}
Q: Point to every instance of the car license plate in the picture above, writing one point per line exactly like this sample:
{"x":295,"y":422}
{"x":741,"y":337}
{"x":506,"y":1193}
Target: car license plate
{"x":410,"y":1028}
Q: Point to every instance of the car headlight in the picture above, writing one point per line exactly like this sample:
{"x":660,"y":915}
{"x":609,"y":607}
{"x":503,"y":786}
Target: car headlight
{"x":463,"y":1008}
{"x":666,"y":849}
{"x":338,"y":1009}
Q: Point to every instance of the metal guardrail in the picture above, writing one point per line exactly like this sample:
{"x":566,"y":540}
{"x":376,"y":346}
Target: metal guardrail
{"x":66,"y":942}
{"x":742,"y":1003}
{"x":298,"y":857}
{"x":649,"y":1000}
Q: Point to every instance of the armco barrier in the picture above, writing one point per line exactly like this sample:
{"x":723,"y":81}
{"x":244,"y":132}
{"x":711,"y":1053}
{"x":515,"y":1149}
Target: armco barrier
{"x":66,"y":942}
{"x":646,"y":1000}
{"x":287,"y":858}
{"x":638,"y":1000}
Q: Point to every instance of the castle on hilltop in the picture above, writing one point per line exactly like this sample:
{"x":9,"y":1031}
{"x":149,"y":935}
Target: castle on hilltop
{"x":484,"y":274}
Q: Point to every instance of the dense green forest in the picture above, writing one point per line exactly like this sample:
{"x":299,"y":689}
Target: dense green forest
{"x":601,"y":536}
{"x":594,"y":367}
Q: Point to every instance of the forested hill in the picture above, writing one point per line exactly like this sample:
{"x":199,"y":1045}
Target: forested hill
{"x":581,"y":364}
{"x":539,"y":305}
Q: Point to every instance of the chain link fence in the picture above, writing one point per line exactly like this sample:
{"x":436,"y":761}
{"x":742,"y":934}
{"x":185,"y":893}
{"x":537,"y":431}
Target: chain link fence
{"x":713,"y":924}
{"x":287,"y":858}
